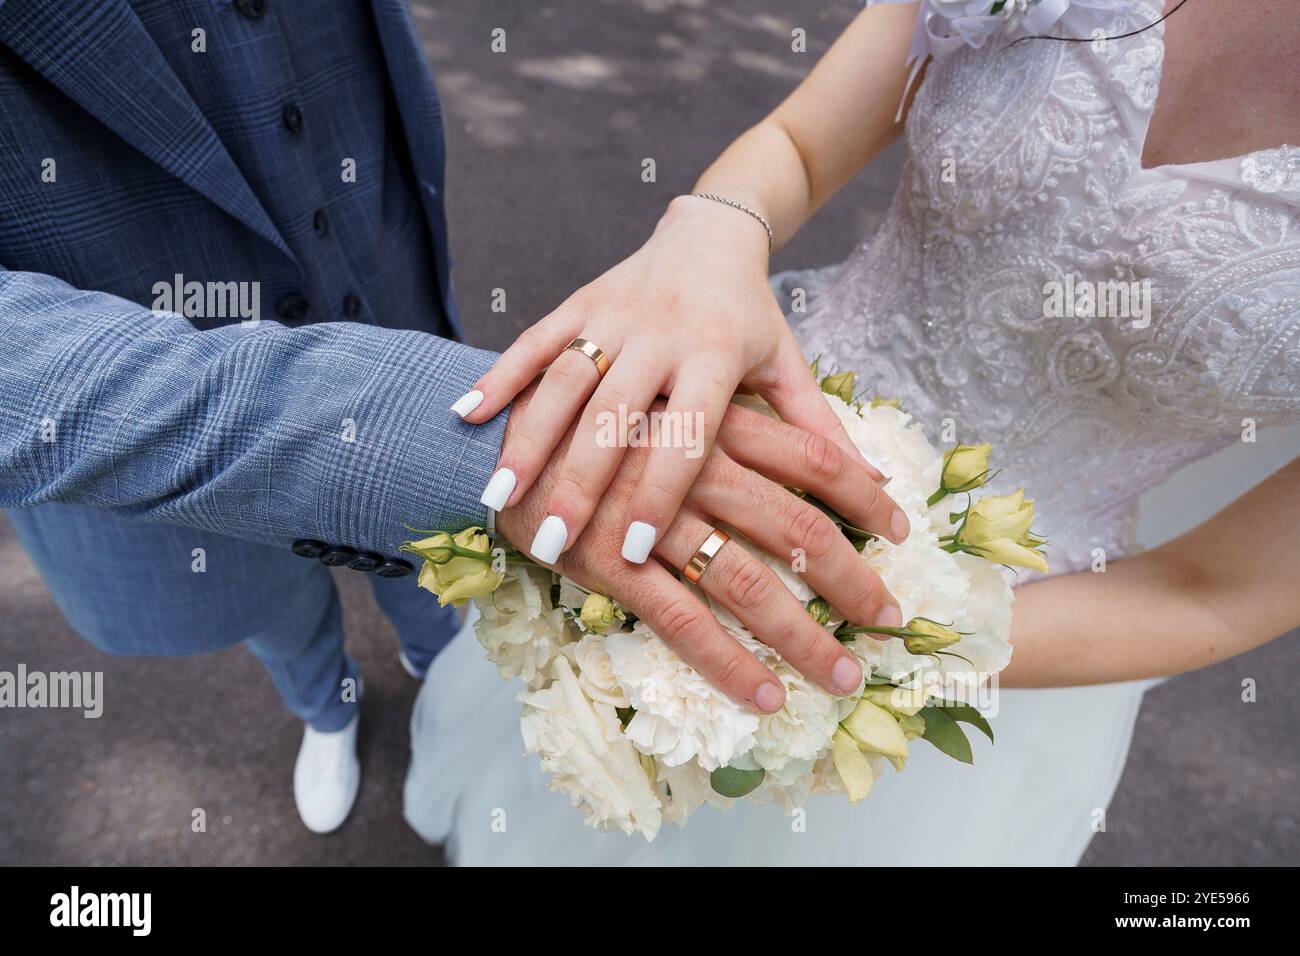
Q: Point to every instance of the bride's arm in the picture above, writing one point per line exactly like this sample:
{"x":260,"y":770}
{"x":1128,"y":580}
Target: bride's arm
{"x":1219,"y":590}
{"x":690,"y":315}
{"x":835,"y":122}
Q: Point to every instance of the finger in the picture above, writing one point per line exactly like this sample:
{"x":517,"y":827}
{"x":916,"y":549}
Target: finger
{"x":686,"y":625}
{"x":761,"y":602}
{"x":537,"y":347}
{"x":799,"y":400}
{"x":600,"y":441}
{"x":793,"y":531}
{"x":815,"y":464}
{"x":696,"y":407}
{"x":560,"y":395}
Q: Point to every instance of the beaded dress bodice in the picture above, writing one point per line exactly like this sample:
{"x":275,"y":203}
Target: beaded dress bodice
{"x":1022,"y":195}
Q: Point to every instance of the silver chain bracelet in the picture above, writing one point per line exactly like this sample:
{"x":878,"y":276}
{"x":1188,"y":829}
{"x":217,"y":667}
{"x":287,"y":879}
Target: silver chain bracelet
{"x":743,"y":208}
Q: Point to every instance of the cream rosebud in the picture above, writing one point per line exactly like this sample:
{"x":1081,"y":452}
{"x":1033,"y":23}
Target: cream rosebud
{"x":876,"y":730}
{"x":450,"y":572}
{"x":997,"y":528}
{"x":928,"y":637}
{"x":965,"y":467}
{"x":819,"y":610}
{"x":852,"y":766}
{"x":912,"y":726}
{"x":599,"y":613}
{"x":437,"y":548}
{"x":901,"y":701}
{"x":840,"y":385}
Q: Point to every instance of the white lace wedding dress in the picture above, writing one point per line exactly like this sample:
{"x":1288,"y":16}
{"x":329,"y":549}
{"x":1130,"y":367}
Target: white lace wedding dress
{"x":943,"y":307}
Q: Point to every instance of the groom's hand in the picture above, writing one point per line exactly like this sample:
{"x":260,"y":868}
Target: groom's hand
{"x":727,"y":492}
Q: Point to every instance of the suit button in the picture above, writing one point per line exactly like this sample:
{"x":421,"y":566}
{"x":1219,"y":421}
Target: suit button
{"x":351,"y":306}
{"x":321,"y":223}
{"x":338,"y":556}
{"x":292,"y":118}
{"x":292,"y":308}
{"x":394,"y":568}
{"x":366,"y":561}
{"x":253,"y":9}
{"x":309,"y":547}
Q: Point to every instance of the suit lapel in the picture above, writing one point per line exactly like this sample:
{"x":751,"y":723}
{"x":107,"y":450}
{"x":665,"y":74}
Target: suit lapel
{"x":99,"y":54}
{"x":412,"y":82}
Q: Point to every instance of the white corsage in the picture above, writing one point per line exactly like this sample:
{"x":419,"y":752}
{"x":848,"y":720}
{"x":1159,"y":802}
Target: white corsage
{"x":944,"y":26}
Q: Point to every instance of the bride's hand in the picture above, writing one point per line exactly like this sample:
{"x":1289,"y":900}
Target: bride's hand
{"x":776,"y":522}
{"x":690,"y":316}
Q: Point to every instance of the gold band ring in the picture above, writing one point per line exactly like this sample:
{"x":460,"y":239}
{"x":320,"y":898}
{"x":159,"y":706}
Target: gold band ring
{"x":700,"y":560}
{"x":593,"y":352}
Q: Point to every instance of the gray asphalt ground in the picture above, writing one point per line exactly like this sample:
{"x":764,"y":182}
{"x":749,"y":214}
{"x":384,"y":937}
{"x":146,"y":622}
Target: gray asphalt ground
{"x":546,"y":143}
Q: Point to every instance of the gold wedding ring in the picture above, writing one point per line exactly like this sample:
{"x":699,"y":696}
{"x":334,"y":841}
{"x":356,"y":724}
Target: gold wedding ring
{"x":700,"y":560}
{"x":593,"y":352}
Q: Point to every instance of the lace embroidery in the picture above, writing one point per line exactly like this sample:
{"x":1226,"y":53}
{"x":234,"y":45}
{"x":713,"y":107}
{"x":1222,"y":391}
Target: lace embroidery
{"x":1273,"y":171}
{"x":943,"y":307}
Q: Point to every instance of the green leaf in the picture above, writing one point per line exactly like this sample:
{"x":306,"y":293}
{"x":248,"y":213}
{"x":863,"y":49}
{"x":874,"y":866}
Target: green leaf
{"x":968,"y":714}
{"x":731,"y":782}
{"x":942,"y":730}
{"x":625,"y":715}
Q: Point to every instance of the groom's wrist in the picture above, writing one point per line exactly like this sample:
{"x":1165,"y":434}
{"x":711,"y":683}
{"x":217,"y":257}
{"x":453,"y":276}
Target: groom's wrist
{"x":443,"y":462}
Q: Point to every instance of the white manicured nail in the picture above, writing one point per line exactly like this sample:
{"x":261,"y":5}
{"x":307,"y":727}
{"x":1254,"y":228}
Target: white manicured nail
{"x":467,"y":403}
{"x":497,"y":492}
{"x":638,"y":541}
{"x":549,"y":540}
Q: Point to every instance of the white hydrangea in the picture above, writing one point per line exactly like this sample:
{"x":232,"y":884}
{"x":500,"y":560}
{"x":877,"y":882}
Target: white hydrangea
{"x":519,"y":627}
{"x":680,"y":716}
{"x":583,"y":749}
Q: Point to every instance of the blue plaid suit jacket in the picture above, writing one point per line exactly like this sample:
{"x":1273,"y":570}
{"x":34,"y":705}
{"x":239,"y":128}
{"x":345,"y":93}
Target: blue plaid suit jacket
{"x":239,"y":431}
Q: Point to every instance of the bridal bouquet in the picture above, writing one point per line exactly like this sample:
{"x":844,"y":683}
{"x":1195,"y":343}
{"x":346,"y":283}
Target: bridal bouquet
{"x":635,"y":736}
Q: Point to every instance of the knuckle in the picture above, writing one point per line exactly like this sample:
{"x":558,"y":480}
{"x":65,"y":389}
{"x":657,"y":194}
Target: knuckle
{"x":681,"y":622}
{"x":822,"y":459}
{"x":750,"y":586}
{"x":874,"y":497}
{"x":655,"y":492}
{"x":731,"y":673}
{"x":570,"y":489}
{"x":811,"y":530}
{"x":530,"y":337}
{"x":810,"y":648}
{"x":569,"y":375}
{"x":608,"y":400}
{"x":865,"y":593}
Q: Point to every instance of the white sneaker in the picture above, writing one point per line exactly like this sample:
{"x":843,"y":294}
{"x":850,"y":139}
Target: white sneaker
{"x":326,"y":777}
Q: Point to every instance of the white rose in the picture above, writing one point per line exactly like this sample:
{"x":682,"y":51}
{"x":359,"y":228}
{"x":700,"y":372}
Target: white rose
{"x":595,"y":673}
{"x":587,"y":756}
{"x":679,"y":715}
